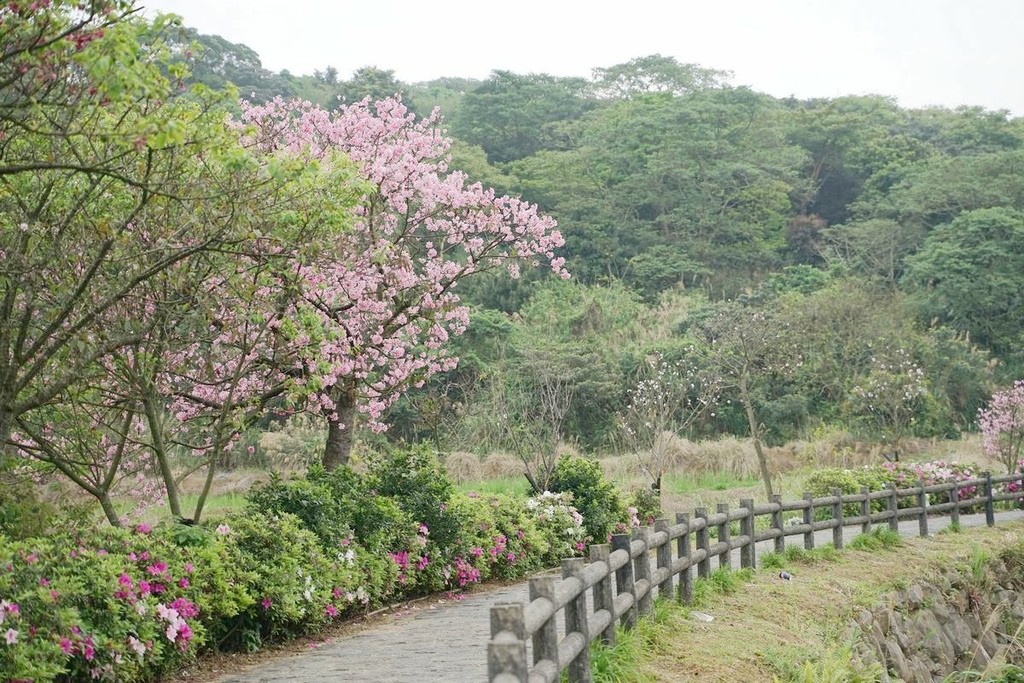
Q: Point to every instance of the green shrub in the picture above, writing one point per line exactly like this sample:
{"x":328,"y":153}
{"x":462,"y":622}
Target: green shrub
{"x":311,"y":501}
{"x":561,"y":525}
{"x":414,"y":478}
{"x":850,"y":481}
{"x":647,"y":504}
{"x":296,"y":586}
{"x":116,"y":604}
{"x":594,"y":496}
{"x":379,"y":522}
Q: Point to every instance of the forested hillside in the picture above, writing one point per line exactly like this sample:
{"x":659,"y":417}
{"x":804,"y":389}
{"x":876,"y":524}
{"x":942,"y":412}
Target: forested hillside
{"x":740,"y":263}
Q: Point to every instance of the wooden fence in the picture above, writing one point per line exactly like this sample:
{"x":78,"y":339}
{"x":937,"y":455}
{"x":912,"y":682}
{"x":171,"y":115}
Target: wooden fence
{"x":622,"y":580}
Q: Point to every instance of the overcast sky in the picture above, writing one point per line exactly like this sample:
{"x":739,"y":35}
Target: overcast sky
{"x":945,"y":52}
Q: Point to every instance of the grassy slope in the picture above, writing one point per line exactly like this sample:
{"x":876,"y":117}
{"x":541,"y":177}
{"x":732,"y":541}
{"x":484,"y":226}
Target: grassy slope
{"x":770,"y":624}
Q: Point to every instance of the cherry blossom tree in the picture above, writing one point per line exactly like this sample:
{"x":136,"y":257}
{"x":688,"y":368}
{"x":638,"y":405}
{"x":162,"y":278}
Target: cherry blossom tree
{"x":377,"y":309}
{"x":1002,"y":426}
{"x":147,"y":258}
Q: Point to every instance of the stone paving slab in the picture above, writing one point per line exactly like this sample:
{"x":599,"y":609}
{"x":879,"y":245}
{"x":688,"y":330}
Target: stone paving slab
{"x":447,"y":641}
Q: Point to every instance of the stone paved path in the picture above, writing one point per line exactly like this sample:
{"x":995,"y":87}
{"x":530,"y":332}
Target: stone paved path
{"x":447,"y":641}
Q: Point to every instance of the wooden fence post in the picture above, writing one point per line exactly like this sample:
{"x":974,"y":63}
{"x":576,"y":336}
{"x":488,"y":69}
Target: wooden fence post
{"x":704,"y":566}
{"x":748,"y":559}
{"x":576,"y":622}
{"x":602,"y":591}
{"x":954,"y":498}
{"x":894,"y":508}
{"x":837,"y":519}
{"x":545,"y":639}
{"x":683,"y":550}
{"x":624,"y":579}
{"x":507,"y":656}
{"x":725,"y":559}
{"x":809,"y":520}
{"x":664,"y":559}
{"x":1019,"y":503}
{"x":642,"y":571}
{"x":990,"y":510}
{"x":780,"y":540}
{"x":865,"y":510}
{"x":922,"y":502}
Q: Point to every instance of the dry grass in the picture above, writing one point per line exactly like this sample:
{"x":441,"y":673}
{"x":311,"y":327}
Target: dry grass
{"x":772,"y":620}
{"x":463,"y":467}
{"x":501,"y":465}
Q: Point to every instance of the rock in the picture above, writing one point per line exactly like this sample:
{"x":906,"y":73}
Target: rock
{"x":883,"y":618}
{"x":959,"y":635}
{"x":974,"y":623}
{"x":914,"y":596}
{"x":895,"y":660}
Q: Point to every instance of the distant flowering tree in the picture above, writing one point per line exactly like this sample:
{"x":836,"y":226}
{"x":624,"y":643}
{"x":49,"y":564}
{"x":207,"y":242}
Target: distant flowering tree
{"x":375,"y":313}
{"x":744,"y":352}
{"x":890,"y":395}
{"x":1002,"y":425}
{"x":669,"y":396}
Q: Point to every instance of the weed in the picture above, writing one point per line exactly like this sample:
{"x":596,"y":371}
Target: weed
{"x":879,"y":538}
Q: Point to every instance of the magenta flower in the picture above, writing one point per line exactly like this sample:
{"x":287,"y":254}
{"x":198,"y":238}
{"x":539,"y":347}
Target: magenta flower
{"x":331,"y":610}
{"x":266,"y":602}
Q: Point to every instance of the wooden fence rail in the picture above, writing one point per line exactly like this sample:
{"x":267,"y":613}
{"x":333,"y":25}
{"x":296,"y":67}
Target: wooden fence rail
{"x":622,"y":581}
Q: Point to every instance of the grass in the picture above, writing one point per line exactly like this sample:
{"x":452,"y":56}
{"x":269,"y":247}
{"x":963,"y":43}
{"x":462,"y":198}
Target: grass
{"x":712,"y":481}
{"x":624,"y":663}
{"x":796,"y":631}
{"x":879,"y":538}
{"x":515,"y":486}
{"x":794,"y":554}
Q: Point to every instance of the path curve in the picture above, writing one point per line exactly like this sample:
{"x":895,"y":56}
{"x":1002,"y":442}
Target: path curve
{"x":446,"y":641}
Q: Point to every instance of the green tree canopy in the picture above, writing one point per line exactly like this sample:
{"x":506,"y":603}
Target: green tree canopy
{"x":970,"y":274}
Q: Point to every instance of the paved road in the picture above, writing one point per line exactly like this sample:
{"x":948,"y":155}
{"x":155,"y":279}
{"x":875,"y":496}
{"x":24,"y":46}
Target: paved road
{"x":447,"y":641}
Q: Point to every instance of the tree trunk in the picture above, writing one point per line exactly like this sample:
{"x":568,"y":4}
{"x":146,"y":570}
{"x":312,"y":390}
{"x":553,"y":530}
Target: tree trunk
{"x":107,"y":505}
{"x":340,"y":431}
{"x":207,"y":486}
{"x":755,"y":434}
{"x":153,"y":419}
